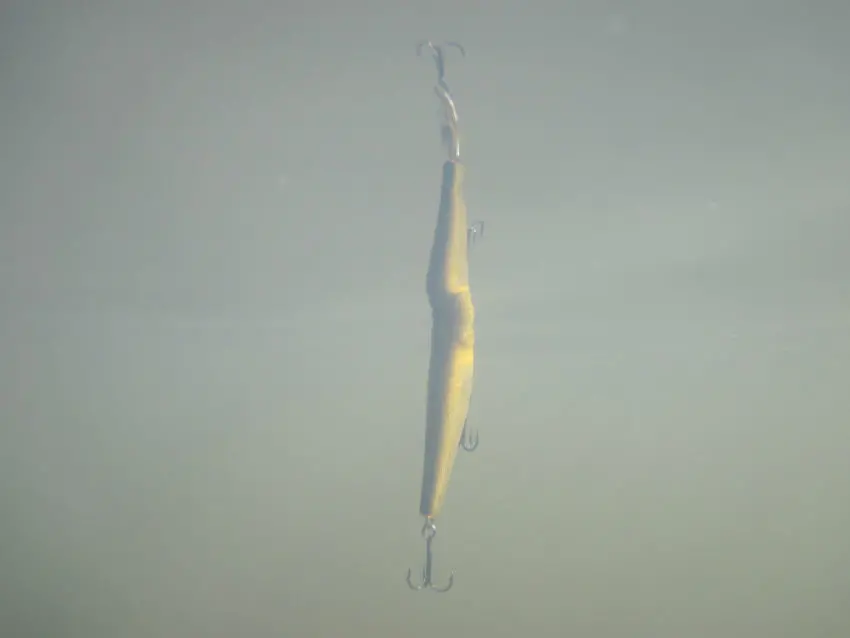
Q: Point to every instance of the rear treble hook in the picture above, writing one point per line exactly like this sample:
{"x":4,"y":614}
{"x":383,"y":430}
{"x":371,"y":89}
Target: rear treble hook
{"x":429,"y":531}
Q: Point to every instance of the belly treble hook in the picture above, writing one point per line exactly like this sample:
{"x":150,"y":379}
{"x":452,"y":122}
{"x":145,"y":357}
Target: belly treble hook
{"x":469,"y":439}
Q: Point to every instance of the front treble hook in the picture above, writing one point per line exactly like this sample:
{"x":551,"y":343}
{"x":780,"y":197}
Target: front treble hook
{"x":437,"y":50}
{"x":450,"y":128}
{"x":429,"y":531}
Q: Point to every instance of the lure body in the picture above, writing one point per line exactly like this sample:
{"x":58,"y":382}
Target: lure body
{"x":450,"y":371}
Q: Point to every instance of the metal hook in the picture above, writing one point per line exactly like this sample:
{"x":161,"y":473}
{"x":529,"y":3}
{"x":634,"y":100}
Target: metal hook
{"x":429,"y":531}
{"x":474,"y":231}
{"x":451,"y":137}
{"x":437,"y":50}
{"x":449,"y":104}
{"x":450,"y":129}
{"x":467,"y":442}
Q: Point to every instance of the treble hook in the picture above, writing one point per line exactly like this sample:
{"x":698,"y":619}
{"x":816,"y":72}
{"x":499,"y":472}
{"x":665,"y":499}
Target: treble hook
{"x":468,"y":443}
{"x":429,"y":531}
{"x":437,"y":51}
{"x":450,"y":132}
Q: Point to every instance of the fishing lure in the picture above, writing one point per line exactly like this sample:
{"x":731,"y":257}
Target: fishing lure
{"x":450,"y":372}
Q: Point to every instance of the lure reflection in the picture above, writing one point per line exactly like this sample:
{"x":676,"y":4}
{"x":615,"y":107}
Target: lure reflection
{"x":452,"y":334}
